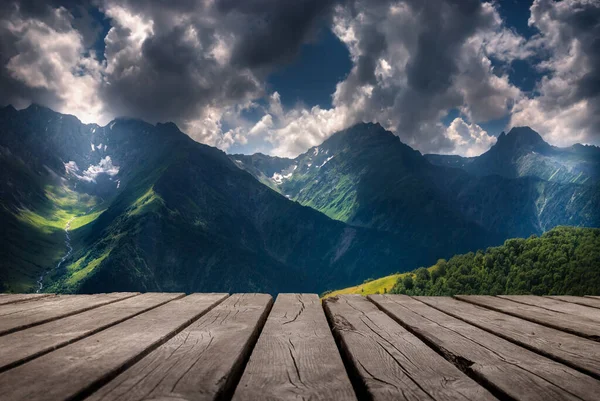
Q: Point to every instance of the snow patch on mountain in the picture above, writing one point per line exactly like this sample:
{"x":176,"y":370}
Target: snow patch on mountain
{"x":326,"y":160}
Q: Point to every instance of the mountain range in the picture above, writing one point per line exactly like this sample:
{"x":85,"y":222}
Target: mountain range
{"x":367,"y":177}
{"x":135,"y":206}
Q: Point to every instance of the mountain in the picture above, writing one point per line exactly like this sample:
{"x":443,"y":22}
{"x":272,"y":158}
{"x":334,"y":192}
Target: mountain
{"x":149,"y":209}
{"x":523,"y":153}
{"x":365,"y":176}
{"x":563,"y":261}
{"x":133,"y":206}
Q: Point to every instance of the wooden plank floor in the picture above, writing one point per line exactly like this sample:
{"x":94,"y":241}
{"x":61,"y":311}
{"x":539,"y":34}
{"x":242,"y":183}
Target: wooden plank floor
{"x":169,"y":346}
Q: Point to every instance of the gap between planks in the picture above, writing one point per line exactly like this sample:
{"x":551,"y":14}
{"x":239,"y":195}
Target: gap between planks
{"x":202,"y":362}
{"x":586,"y":301}
{"x":295,"y":356}
{"x":503,"y":367}
{"x":577,"y":352}
{"x":22,"y":315}
{"x":555,"y":305}
{"x":16,"y":298}
{"x":388,"y":362}
{"x":578,"y":325}
{"x":19,"y":347}
{"x":77,"y":370}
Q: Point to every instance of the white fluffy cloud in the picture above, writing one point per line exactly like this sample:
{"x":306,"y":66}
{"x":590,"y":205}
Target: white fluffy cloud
{"x":301,"y":129}
{"x":566,"y":106}
{"x":468,"y":139}
{"x":198,"y":63}
{"x":412,"y":63}
{"x":202,"y":64}
{"x":49,"y":58}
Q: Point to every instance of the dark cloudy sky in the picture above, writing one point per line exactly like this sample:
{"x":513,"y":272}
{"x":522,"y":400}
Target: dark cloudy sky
{"x":280,"y":76}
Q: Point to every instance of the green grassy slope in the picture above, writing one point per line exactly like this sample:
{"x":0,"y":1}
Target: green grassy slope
{"x":377,"y":286}
{"x":34,"y":237}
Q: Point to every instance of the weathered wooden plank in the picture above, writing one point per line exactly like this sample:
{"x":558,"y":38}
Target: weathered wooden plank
{"x":508,"y":368}
{"x":591,"y":302}
{"x":14,"y":298}
{"x":390,"y":362}
{"x":572,"y":324}
{"x":202,"y":362}
{"x":19,"y":347}
{"x":555,"y":305}
{"x":79,"y":368}
{"x":592,"y":296}
{"x":295,"y":356}
{"x":575,"y":351}
{"x":22,"y":315}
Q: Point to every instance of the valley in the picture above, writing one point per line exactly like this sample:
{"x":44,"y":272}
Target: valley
{"x":133,"y":206}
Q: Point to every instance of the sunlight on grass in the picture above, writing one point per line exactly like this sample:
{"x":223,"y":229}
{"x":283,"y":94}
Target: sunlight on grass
{"x":66,"y":205}
{"x":81,"y":221}
{"x":81,"y":273}
{"x":145,"y":203}
{"x":381,"y":286}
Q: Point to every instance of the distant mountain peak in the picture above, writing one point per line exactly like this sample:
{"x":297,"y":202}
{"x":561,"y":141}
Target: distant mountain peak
{"x":33,"y":106}
{"x":168,"y":125}
{"x":363,"y":131}
{"x":523,"y":135}
{"x":521,"y":138}
{"x":36,"y":108}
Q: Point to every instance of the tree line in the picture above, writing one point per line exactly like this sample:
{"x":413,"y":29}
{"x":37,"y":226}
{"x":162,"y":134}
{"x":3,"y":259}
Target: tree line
{"x":562,"y":261}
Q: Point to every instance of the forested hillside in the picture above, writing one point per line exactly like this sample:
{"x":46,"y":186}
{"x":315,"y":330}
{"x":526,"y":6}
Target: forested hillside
{"x":563,"y":261}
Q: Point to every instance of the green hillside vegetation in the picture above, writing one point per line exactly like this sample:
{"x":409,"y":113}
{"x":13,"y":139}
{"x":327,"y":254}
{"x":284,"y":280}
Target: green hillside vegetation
{"x":152,"y":210}
{"x":35,"y":239}
{"x":366,"y":177}
{"x":563,"y":261}
{"x":378,"y":286}
{"x":63,"y":205}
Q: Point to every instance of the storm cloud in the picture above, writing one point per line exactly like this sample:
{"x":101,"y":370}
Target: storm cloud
{"x":566,"y":105}
{"x":415,"y":61}
{"x":203,"y":64}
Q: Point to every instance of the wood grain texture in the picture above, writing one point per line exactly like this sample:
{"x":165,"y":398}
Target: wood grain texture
{"x":295,"y":357}
{"x":203,"y":362}
{"x":509,"y":369}
{"x":14,"y":298}
{"x":594,"y":303}
{"x":572,"y":324}
{"x":577,"y":352}
{"x":390,"y":362}
{"x":19,"y":316}
{"x":556,"y":306}
{"x":21,"y":346}
{"x":79,"y":368}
